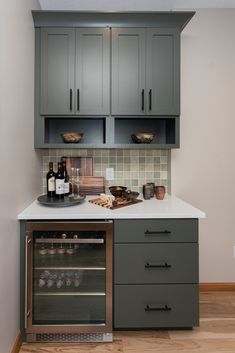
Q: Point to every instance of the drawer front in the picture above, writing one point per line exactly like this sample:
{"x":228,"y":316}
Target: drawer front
{"x":156,"y":230}
{"x":155,"y":263}
{"x":156,"y":306}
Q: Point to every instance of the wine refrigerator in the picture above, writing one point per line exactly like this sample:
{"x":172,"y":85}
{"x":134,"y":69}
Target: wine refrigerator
{"x":67,"y":281}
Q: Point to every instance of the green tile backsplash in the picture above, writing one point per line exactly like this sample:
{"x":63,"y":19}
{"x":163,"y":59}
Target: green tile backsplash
{"x":132,"y":168}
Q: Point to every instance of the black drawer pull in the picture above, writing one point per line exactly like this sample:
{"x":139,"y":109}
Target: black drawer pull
{"x":164,"y":265}
{"x":157,"y":232}
{"x":70,"y":99}
{"x":150,"y":99}
{"x":157,"y":308}
{"x":142,"y":99}
{"x":78,"y":99}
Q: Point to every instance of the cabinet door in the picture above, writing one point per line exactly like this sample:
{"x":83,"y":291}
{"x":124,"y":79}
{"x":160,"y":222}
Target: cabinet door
{"x":163,"y":72}
{"x":128,"y":71}
{"x":92,"y":71}
{"x":57,"y":71}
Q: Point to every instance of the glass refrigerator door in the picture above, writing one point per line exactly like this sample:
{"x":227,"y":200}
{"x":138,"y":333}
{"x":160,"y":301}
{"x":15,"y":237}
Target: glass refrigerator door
{"x":69,"y":277}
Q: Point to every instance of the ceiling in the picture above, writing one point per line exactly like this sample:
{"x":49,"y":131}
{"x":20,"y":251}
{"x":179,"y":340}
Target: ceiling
{"x":133,"y":5}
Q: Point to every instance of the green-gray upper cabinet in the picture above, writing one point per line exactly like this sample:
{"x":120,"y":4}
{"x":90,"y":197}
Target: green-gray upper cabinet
{"x":145,"y":71}
{"x":163,"y":72}
{"x":92,"y":71}
{"x":75,"y":71}
{"x":128,"y":71}
{"x":57,"y":71}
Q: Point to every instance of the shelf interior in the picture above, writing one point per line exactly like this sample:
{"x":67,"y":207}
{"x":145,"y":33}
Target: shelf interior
{"x":93,"y":129}
{"x":163,"y":128}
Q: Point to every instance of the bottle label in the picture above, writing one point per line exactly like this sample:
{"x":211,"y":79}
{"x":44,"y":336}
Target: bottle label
{"x":59,"y":186}
{"x":51,"y":184}
{"x":66,"y":187}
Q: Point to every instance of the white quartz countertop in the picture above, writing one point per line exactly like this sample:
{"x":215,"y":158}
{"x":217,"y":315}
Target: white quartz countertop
{"x":170,"y":207}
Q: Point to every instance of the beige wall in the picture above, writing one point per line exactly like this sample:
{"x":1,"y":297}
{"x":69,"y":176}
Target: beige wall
{"x":203,"y":169}
{"x":19,"y":164}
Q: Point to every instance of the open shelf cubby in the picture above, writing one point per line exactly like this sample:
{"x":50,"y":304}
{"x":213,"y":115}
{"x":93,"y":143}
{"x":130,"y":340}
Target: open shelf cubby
{"x":165,"y":130}
{"x":93,"y":130}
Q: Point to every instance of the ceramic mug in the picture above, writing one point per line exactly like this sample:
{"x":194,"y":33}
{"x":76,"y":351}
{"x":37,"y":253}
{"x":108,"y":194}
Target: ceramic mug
{"x":160,"y":192}
{"x":147,"y":190}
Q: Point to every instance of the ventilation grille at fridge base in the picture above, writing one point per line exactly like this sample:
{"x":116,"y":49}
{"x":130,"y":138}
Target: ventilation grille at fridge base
{"x":73,"y":337}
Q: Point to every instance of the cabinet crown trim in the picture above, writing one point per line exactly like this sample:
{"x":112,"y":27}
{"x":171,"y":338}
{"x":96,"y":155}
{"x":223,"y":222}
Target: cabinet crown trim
{"x":171,"y":19}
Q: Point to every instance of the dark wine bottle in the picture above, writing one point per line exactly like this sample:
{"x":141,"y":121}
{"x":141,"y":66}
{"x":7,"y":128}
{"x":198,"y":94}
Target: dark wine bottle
{"x":59,"y":182}
{"x":66,"y":178}
{"x":51,"y":181}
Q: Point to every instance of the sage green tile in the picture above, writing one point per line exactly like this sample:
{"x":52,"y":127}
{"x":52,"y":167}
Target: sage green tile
{"x":97,"y":160}
{"x":127,"y":160}
{"x":119,"y":166}
{"x":149,"y":153}
{"x":119,"y":175}
{"x":104,"y":160}
{"x":156,"y":160}
{"x":163,"y":167}
{"x":119,"y":159}
{"x":126,"y":153}
{"x":97,"y":153}
{"x":120,"y":153}
{"x":149,"y":160}
{"x":156,"y":175}
{"x":127,"y":175}
{"x":126,"y":167}
{"x":134,"y":153}
{"x":134,"y":182}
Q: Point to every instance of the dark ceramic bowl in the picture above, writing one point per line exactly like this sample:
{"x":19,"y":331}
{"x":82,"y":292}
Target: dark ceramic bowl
{"x":130,"y":195}
{"x":117,"y":190}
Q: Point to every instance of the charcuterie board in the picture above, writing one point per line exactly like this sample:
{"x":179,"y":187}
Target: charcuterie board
{"x":118,"y":203}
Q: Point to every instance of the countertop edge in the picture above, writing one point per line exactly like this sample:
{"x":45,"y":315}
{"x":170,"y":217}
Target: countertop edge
{"x":170,"y":207}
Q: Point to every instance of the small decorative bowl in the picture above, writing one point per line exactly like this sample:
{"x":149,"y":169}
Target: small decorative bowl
{"x":117,"y":190}
{"x":130,"y":195}
{"x":60,"y":251}
{"x":72,"y":137}
{"x":142,"y":137}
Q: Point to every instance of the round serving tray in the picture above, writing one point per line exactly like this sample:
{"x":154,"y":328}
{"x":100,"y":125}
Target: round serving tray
{"x":67,"y":201}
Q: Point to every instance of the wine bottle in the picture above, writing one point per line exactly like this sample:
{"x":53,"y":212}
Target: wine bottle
{"x":59,"y":183}
{"x":66,"y":178}
{"x":51,"y":181}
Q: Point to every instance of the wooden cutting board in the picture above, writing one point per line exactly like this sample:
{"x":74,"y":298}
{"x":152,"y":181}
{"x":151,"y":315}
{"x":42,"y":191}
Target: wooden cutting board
{"x":120,"y":203}
{"x":85,"y":165}
{"x":91,"y":185}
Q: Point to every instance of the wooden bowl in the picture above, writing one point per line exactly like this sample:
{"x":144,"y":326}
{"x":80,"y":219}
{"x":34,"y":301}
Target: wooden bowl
{"x":72,"y":137}
{"x":142,"y":137}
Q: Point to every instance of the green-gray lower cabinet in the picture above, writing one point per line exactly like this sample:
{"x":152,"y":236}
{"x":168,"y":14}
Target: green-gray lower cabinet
{"x":156,"y":306}
{"x":156,"y":273}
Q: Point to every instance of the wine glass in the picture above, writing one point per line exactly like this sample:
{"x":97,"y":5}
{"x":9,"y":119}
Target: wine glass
{"x":74,"y":179}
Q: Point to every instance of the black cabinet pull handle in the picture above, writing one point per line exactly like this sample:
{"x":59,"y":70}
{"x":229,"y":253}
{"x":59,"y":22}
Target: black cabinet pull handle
{"x":142,"y":99}
{"x":157,"y":232}
{"x":150,"y":99}
{"x":163,"y":265}
{"x":157,"y":308}
{"x":70,"y":99}
{"x":78,"y":99}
